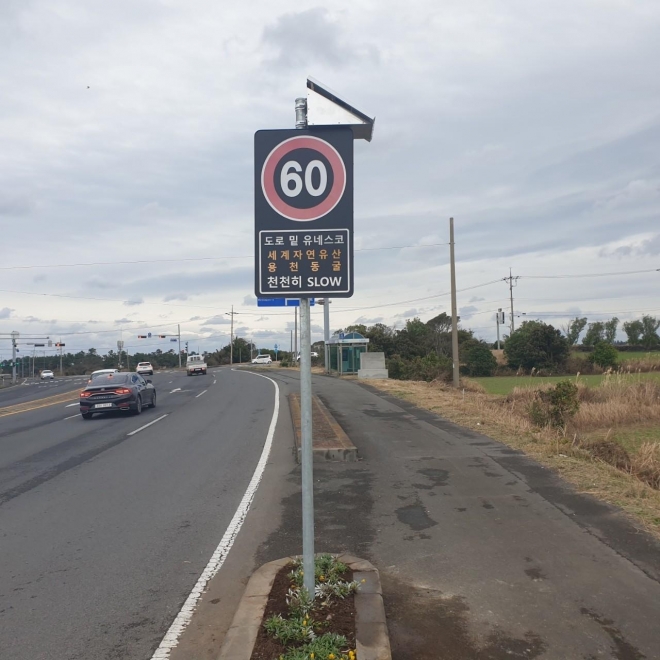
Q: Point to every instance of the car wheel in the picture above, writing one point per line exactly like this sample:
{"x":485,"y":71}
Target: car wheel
{"x":138,"y":405}
{"x":87,"y":415}
{"x":153,"y":401}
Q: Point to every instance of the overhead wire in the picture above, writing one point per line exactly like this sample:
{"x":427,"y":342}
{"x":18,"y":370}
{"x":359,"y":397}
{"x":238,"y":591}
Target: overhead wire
{"x":188,"y":259}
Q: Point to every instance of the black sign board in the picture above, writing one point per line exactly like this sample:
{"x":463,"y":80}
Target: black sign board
{"x":304,"y":213}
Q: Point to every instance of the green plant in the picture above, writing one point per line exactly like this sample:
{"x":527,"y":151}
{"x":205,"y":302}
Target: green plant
{"x":536,"y":345}
{"x":479,"y":360}
{"x":555,"y":406}
{"x":604,"y":355}
{"x":323,"y":647}
{"x":293,"y":630}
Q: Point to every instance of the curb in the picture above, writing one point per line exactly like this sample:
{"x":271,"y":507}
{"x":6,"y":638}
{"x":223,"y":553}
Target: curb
{"x":372,"y":638}
{"x":340,"y":448}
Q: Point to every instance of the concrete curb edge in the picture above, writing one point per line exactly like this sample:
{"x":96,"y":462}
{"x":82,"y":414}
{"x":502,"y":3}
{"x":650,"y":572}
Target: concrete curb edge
{"x":372,"y":638}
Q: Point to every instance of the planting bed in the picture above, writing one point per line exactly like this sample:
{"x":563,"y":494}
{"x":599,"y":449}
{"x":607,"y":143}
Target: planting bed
{"x":338,"y":617}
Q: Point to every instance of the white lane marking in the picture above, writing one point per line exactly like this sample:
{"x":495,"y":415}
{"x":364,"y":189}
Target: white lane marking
{"x":72,"y":416}
{"x":169,"y":382}
{"x":200,"y":394}
{"x":178,"y":389}
{"x":215,"y":381}
{"x":72,"y":404}
{"x":147,"y":425}
{"x":183,"y":618}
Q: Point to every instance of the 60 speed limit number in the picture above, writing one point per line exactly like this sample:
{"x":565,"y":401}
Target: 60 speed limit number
{"x":303,"y":178}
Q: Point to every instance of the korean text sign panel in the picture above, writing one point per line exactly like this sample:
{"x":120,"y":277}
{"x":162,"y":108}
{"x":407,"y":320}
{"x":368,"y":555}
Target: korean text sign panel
{"x":304,"y":213}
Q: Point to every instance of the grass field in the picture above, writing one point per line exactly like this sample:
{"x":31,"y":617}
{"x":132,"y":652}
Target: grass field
{"x":505,"y":384}
{"x":626,"y":355}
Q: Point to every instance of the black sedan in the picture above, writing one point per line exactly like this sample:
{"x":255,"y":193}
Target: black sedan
{"x":117,"y":391}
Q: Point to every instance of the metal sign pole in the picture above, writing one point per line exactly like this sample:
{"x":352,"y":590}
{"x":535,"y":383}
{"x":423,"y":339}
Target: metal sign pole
{"x":306,"y":458}
{"x":14,"y":336}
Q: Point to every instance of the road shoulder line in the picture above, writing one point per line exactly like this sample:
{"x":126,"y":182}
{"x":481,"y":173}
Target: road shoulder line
{"x":183,"y":618}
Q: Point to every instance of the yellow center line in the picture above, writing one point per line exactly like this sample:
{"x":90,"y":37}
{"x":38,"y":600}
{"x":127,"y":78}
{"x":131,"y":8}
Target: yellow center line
{"x":39,"y":403}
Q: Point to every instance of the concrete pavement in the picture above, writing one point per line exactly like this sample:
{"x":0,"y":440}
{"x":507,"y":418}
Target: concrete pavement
{"x":483,"y":553}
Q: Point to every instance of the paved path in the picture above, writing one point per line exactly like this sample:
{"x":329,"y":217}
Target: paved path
{"x":484,"y":554}
{"x":104,"y":534}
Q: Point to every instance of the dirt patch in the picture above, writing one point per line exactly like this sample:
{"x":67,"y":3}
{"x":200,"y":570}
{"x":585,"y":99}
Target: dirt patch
{"x":425,"y":625}
{"x":338,"y":617}
{"x":611,"y":452}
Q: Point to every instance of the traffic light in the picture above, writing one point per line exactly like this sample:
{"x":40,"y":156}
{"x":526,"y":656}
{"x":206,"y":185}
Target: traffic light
{"x":162,"y":336}
{"x":60,"y":345}
{"x":142,"y":336}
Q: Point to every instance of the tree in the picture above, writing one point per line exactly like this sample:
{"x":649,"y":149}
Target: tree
{"x":633,"y":330}
{"x":650,"y":327}
{"x":604,"y":355}
{"x":479,"y":360}
{"x":595,"y":333}
{"x":536,"y":345}
{"x":574,"y":329}
{"x":610,"y":329}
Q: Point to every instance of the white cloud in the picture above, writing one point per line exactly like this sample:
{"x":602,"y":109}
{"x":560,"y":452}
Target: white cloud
{"x":546,"y":156}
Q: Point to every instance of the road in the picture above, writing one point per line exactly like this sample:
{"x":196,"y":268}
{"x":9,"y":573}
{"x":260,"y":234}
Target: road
{"x":103,"y":534}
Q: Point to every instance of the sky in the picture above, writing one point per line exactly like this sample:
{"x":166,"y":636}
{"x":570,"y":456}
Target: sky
{"x":126,"y":133}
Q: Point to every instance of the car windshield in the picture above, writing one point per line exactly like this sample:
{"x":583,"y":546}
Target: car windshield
{"x":144,"y":364}
{"x":111,"y":379}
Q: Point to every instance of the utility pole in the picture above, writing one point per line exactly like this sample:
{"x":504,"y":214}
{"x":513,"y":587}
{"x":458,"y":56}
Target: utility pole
{"x":500,"y":319}
{"x":231,"y":336}
{"x":454,"y":314}
{"x":513,"y":281}
{"x":306,"y":456}
{"x":295,"y":335}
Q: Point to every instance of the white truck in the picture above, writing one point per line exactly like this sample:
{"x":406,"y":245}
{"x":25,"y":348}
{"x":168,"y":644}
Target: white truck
{"x":195,"y":365}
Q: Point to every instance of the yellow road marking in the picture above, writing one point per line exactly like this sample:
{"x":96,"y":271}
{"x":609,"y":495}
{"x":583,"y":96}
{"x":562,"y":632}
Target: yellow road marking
{"x":39,"y":403}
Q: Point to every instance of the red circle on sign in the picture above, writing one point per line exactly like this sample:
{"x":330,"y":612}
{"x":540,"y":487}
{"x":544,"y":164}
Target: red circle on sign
{"x":268,"y":178}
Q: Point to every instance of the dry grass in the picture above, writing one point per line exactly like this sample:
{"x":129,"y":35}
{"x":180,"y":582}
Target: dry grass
{"x":577,"y":453}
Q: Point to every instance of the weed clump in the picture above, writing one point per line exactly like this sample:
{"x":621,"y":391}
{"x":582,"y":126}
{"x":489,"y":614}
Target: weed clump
{"x":555,"y":406}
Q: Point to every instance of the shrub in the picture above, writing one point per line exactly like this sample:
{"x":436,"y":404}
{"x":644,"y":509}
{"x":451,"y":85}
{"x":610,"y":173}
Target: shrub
{"x":604,"y":355}
{"x":555,"y":406}
{"x":428,"y":368}
{"x":536,"y":345}
{"x":479,"y":361}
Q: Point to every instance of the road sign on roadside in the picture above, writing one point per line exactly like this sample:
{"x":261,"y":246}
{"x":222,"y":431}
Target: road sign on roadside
{"x":281,"y":302}
{"x":304,"y":212}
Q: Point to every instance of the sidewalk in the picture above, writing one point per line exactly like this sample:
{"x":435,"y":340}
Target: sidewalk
{"x":483,"y":553}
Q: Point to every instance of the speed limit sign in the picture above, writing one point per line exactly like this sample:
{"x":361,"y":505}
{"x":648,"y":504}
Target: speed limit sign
{"x":304,"y":213}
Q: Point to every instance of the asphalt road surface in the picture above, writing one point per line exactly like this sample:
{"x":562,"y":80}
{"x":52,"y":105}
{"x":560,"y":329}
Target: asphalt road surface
{"x":104,"y":534}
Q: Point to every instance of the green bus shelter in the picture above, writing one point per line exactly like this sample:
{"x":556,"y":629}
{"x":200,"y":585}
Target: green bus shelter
{"x":345,"y":351}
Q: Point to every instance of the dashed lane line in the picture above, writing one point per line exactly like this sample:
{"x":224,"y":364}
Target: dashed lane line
{"x":200,"y":394}
{"x":147,"y":425}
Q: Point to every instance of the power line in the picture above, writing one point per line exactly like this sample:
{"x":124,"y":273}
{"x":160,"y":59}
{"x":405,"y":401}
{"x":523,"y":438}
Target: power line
{"x":561,"y":277}
{"x":403,"y":302}
{"x":187,"y":259}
